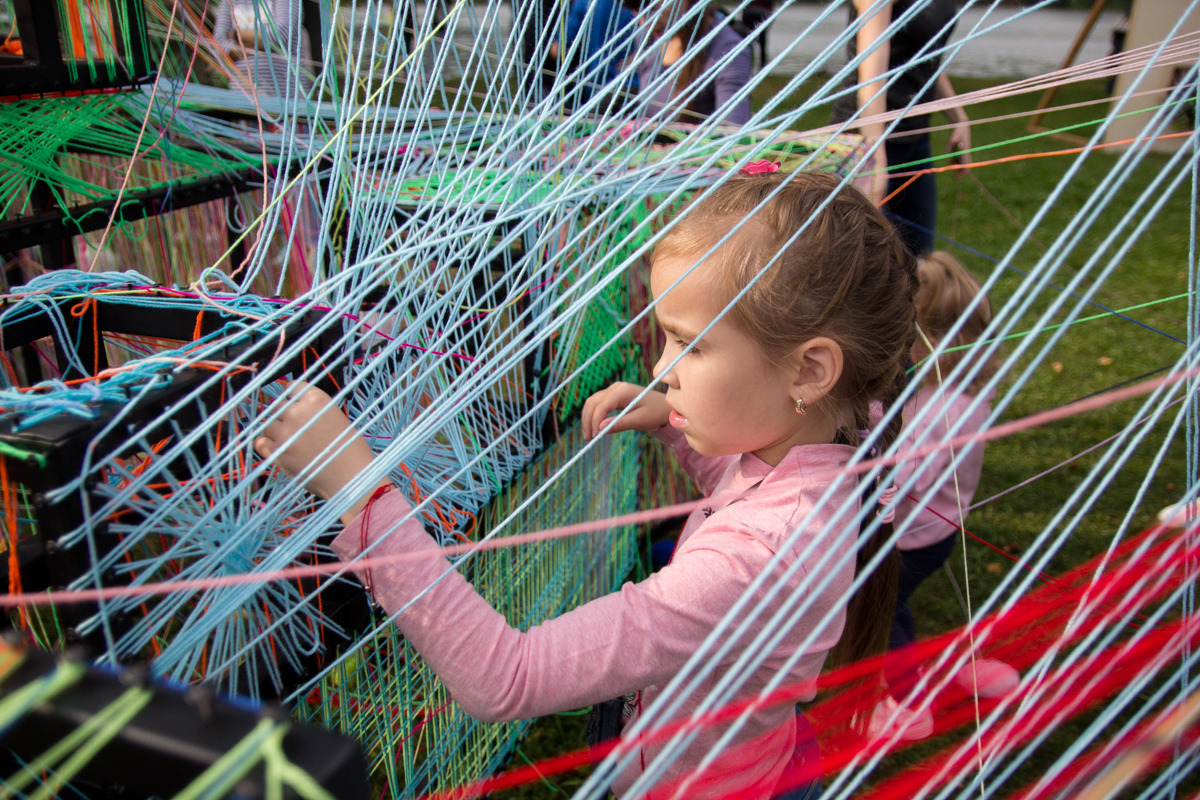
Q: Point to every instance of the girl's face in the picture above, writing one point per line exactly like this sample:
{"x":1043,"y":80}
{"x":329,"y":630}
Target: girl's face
{"x":725,"y":395}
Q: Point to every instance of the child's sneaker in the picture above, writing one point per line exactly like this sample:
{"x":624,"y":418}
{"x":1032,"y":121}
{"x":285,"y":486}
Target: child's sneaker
{"x":889,"y":716}
{"x":987,"y":678}
{"x":1176,"y":516}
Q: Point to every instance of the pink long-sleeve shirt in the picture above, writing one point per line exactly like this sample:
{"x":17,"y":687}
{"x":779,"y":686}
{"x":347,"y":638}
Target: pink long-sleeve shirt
{"x":943,"y":500}
{"x":639,"y":637}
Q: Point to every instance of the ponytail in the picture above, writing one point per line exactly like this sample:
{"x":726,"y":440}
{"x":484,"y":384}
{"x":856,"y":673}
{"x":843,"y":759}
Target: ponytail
{"x":871,"y":609}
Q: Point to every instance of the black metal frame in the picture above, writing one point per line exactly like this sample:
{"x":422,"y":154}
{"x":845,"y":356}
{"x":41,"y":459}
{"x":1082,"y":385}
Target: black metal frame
{"x":65,"y":444}
{"x":54,"y":226}
{"x":171,"y":741}
{"x":42,"y":68}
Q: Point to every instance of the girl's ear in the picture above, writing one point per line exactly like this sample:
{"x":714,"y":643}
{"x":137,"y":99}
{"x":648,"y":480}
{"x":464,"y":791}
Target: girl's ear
{"x":818,"y":365}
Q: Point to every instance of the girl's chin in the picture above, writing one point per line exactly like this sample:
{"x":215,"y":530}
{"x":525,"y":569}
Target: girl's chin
{"x":706,"y":449}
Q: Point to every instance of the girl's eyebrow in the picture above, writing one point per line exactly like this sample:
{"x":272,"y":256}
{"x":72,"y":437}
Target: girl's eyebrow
{"x":671,"y":328}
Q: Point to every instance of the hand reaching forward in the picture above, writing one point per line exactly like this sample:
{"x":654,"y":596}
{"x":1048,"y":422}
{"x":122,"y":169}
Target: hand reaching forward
{"x":330,"y":440}
{"x":959,"y":143}
{"x":652,"y":412}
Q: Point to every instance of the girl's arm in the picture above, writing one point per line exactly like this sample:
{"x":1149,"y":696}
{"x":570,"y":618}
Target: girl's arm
{"x":651,"y":411}
{"x":636,"y":637}
{"x":960,"y":137}
{"x":731,"y":79}
{"x":628,"y":640}
{"x":649,"y":415}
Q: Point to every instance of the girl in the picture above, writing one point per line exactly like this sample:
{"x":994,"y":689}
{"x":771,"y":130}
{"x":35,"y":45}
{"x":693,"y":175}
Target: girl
{"x":713,"y":88}
{"x":763,"y":410}
{"x":946,"y":293}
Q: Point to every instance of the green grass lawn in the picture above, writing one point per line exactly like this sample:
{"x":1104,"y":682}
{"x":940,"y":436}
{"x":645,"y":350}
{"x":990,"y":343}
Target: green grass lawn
{"x":983,"y":214}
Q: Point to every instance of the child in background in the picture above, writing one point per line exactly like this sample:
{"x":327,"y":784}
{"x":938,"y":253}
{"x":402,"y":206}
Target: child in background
{"x":709,"y":86}
{"x":947,"y":290}
{"x":764,"y":410}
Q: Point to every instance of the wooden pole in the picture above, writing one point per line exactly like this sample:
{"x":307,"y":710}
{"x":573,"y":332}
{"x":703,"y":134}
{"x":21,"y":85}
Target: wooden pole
{"x":1035,"y":122}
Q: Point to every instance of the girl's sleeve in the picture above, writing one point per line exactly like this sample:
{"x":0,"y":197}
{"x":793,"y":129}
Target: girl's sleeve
{"x":706,"y":472}
{"x":937,"y":513}
{"x":636,"y":637}
{"x":731,"y":79}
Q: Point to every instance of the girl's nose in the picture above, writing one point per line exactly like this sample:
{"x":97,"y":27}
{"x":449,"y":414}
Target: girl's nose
{"x":667,"y":376}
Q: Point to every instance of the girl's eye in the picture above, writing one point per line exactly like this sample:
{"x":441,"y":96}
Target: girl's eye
{"x":683,"y":346}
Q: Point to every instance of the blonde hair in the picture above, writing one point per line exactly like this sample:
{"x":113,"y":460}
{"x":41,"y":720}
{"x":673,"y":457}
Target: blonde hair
{"x":947,"y":290}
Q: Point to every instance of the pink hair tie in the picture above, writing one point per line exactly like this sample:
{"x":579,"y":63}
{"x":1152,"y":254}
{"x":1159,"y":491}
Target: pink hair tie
{"x":380,"y":491}
{"x":760,"y":167}
{"x":885,"y":499}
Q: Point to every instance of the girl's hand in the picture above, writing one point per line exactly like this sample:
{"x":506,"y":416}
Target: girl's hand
{"x":959,"y":143}
{"x":652,"y":412}
{"x":960,"y":136}
{"x":331,"y":439}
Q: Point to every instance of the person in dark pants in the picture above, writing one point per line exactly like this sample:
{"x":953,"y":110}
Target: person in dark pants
{"x":913,"y":208}
{"x":754,"y":21}
{"x":534,"y":23}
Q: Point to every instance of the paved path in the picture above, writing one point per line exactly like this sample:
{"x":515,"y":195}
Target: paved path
{"x":1019,"y":47}
{"x":1016,"y":44}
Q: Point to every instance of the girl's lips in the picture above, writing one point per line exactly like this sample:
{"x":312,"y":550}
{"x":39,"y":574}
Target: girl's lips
{"x":676,"y":419}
